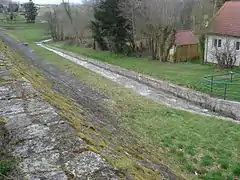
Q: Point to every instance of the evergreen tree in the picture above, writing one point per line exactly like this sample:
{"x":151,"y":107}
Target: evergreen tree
{"x":110,"y":29}
{"x":30,"y":12}
{"x":219,"y":3}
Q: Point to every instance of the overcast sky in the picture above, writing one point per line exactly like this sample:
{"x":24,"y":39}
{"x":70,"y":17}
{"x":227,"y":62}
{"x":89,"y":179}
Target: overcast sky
{"x":50,"y":1}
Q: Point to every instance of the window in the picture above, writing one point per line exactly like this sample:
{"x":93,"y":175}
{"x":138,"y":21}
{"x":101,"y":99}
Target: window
{"x":238,"y":45}
{"x":217,"y":43}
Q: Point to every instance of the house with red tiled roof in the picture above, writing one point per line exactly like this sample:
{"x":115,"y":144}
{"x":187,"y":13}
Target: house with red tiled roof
{"x":185,"y":46}
{"x":224,"y":32}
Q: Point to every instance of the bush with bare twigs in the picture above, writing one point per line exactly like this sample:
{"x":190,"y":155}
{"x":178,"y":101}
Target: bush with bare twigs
{"x":226,"y":55}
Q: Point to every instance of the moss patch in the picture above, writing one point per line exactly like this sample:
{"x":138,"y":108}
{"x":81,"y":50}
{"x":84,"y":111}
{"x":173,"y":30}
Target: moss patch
{"x":2,"y":121}
{"x":6,"y":166}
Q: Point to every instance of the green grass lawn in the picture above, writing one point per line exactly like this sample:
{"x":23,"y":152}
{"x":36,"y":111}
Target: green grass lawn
{"x":188,"y":143}
{"x":30,"y":32}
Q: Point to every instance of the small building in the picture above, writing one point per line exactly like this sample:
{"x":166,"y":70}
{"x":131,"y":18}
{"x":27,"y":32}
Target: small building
{"x":21,"y":8}
{"x":224,"y":32}
{"x":185,"y":46}
{"x":3,"y":8}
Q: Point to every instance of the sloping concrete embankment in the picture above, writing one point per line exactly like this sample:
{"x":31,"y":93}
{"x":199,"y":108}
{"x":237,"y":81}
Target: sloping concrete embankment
{"x":43,"y":142}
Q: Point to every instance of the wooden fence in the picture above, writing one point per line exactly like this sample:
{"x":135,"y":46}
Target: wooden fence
{"x":186,"y":52}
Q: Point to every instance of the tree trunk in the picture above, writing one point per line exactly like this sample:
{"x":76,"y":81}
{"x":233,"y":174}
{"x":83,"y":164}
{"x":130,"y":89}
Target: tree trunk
{"x":153,"y":49}
{"x":201,"y":47}
{"x":133,"y":32}
{"x":94,"y":44}
{"x":168,"y":44}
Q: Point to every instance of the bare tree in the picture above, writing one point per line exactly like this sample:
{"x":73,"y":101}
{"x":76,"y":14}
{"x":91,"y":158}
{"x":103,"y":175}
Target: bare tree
{"x":185,"y":18}
{"x":68,"y":10}
{"x":131,"y":10}
{"x":226,"y":55}
{"x":68,"y":22}
{"x":52,"y":24}
{"x":202,"y":13}
{"x":159,"y":17}
{"x":9,"y":8}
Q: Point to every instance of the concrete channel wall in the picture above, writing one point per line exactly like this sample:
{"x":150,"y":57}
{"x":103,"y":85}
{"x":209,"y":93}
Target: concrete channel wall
{"x":227,"y":108}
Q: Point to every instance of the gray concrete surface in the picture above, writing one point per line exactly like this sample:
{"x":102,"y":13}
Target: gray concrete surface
{"x":43,"y":141}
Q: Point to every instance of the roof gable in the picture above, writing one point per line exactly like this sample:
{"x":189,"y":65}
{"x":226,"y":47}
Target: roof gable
{"x":227,"y":20}
{"x":185,"y":37}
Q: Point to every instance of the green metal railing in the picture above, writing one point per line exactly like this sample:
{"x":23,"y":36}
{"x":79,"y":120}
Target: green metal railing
{"x":226,"y":86}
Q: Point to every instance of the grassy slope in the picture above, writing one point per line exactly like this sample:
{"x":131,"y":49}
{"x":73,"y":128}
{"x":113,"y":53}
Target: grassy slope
{"x":182,"y":140}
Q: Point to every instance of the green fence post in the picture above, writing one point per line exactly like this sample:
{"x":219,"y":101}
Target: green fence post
{"x":231,"y":76}
{"x":211,"y":84}
{"x":225,"y":92}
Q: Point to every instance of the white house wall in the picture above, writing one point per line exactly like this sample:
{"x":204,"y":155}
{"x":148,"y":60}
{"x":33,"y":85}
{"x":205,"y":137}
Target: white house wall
{"x":209,"y":48}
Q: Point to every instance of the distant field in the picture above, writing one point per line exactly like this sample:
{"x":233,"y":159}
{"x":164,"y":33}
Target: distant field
{"x":18,"y":19}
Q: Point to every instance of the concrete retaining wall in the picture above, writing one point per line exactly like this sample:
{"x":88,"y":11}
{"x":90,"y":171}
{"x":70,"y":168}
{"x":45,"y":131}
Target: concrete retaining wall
{"x":224,"y":107}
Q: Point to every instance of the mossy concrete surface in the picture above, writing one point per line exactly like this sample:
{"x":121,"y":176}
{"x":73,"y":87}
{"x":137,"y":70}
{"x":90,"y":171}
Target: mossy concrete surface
{"x":43,"y":142}
{"x":93,"y":115}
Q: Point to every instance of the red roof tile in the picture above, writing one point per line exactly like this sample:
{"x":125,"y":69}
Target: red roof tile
{"x":227,"y":19}
{"x":184,"y":37}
